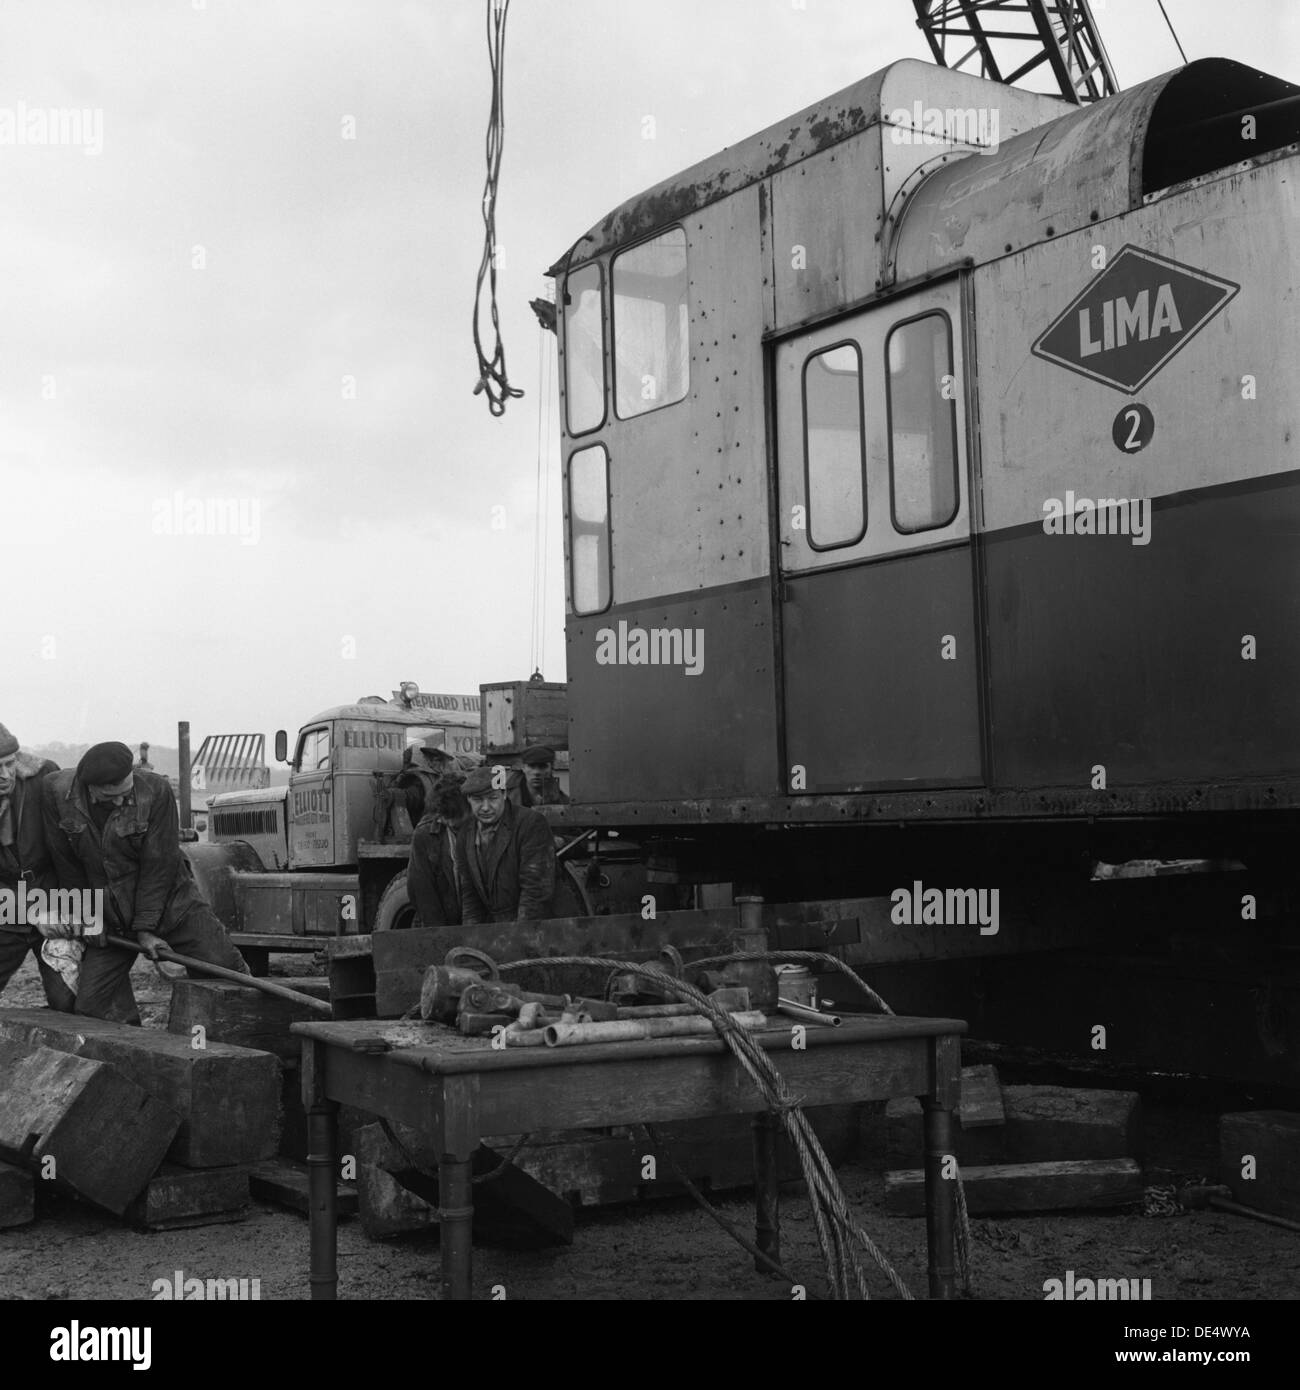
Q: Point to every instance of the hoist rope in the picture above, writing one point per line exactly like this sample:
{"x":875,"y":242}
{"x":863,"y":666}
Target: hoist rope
{"x":492,"y":378}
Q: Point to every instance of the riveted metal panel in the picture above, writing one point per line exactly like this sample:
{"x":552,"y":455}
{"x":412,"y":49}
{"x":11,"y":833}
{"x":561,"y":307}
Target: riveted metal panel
{"x":1046,"y":429}
{"x":644,"y":729}
{"x":688,"y":483}
{"x":824,"y":211}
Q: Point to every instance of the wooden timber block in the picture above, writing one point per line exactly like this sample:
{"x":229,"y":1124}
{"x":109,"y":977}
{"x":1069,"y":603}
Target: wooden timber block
{"x":981,"y":1098}
{"x":177,"y":1197}
{"x":904,"y":1137}
{"x":1272,"y":1139}
{"x":103,"y":1133}
{"x":350,"y":968}
{"x":286,"y":1184}
{"x":1044,"y":1124}
{"x":978,"y":1129}
{"x":227,"y":1097}
{"x":385,"y":1206}
{"x":1021,"y":1187}
{"x":1050,"y":1123}
{"x":17,"y":1197}
{"x":512,"y":1209}
{"x":243,"y":1017}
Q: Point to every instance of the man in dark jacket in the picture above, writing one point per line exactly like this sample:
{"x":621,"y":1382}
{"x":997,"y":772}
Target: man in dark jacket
{"x":25,"y":864}
{"x":431,"y":876}
{"x":115,"y":828}
{"x":505,"y":856}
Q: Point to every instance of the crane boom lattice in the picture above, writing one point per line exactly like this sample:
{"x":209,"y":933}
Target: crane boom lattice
{"x":1006,"y":40}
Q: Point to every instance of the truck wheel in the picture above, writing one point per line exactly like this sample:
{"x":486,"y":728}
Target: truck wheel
{"x":394,"y":912}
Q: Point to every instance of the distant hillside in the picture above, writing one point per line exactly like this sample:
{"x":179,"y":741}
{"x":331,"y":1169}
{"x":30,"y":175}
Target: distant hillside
{"x":162,"y":759}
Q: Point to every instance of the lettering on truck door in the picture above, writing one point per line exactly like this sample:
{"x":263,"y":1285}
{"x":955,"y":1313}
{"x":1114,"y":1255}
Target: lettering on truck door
{"x":311,"y":799}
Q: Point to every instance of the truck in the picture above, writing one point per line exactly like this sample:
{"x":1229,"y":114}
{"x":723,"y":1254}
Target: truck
{"x":287,"y":868}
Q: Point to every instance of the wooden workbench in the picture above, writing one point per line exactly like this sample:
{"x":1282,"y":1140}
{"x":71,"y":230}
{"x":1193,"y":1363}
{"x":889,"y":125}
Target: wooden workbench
{"x":457,"y":1090}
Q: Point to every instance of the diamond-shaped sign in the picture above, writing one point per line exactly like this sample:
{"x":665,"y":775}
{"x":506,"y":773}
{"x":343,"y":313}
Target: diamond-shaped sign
{"x":1133,"y":318}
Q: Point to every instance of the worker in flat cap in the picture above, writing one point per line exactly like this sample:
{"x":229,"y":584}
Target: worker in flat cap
{"x":114,"y":827}
{"x":427,"y":764}
{"x":25,"y":864}
{"x":504,"y":854}
{"x":539,"y":778}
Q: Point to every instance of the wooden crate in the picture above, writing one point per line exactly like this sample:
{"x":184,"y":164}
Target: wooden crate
{"x":515,"y":715}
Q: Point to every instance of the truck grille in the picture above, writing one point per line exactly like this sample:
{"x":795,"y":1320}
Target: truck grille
{"x":233,"y":825}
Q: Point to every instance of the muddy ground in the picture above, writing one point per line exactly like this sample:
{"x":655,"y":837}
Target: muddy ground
{"x":670,"y":1249}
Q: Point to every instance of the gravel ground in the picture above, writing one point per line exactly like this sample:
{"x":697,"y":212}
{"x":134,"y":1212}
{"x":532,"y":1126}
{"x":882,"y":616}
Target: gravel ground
{"x":667,"y":1249}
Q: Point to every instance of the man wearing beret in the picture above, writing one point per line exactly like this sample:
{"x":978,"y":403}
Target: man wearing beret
{"x":114,"y":827}
{"x":505,"y":855}
{"x":539,"y":777}
{"x":25,"y":863}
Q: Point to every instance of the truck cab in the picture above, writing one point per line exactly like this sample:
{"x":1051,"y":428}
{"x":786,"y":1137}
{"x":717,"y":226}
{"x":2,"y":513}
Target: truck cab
{"x":313,"y":858}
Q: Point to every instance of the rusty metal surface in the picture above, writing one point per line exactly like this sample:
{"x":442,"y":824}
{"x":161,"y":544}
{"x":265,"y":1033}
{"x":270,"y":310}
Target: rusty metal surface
{"x":1083,"y":167}
{"x":809,"y":132}
{"x":1277,"y":794}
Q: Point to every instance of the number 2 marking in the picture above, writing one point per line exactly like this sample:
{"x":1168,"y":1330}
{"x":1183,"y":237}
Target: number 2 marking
{"x":1133,"y":442}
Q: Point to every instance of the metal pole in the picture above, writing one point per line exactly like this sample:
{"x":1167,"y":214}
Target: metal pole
{"x":187,"y":818}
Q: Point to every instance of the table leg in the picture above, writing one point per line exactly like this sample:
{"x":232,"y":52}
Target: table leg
{"x":455,"y":1225}
{"x":322,"y":1177}
{"x":767,"y":1194}
{"x":940,"y":1197}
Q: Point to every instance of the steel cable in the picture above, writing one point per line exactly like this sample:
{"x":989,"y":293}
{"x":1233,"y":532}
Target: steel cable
{"x":840,"y":1237}
{"x":492,"y":378}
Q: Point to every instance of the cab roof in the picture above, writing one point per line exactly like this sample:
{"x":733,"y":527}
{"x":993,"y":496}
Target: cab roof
{"x":1057,"y":165}
{"x":386,"y":713}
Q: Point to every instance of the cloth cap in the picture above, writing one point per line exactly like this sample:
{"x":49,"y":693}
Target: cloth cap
{"x":8,"y":743}
{"x":478,"y":782}
{"x":537,"y":757}
{"x":105,"y":764}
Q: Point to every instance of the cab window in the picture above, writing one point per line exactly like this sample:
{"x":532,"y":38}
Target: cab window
{"x":834,"y":447}
{"x":651,"y":325}
{"x":313,"y":750}
{"x":419,"y":738}
{"x":922,"y":423}
{"x":584,"y":351}
{"x":589,"y":529}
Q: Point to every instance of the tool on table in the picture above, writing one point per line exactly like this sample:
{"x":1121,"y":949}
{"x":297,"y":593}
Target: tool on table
{"x":320,"y":1006}
{"x":634,"y":1029}
{"x":805,"y":1014}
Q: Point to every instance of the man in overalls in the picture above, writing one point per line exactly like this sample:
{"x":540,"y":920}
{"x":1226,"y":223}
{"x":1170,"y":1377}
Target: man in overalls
{"x":114,"y":827}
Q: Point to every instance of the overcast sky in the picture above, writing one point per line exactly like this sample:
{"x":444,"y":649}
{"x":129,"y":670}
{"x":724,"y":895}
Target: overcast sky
{"x":230,"y":299}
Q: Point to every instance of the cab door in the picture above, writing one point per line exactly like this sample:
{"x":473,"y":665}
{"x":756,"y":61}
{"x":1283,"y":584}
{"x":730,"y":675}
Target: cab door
{"x":311,"y":799}
{"x":879,"y":652}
